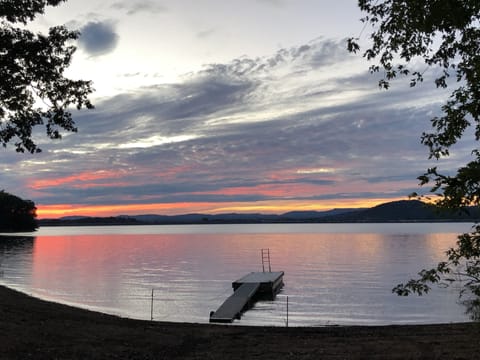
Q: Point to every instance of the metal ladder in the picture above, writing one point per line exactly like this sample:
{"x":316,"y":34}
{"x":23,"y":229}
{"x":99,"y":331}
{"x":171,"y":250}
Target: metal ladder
{"x":266,"y":260}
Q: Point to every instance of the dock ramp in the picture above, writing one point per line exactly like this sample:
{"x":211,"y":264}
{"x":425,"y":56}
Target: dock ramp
{"x":235,"y":304}
{"x":247,"y":290}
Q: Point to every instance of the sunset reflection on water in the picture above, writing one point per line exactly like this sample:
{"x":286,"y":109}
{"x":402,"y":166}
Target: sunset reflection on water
{"x":330,"y":277}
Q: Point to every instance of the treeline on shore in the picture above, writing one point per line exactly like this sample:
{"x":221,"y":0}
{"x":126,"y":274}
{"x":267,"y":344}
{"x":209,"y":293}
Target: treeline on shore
{"x":16,"y":214}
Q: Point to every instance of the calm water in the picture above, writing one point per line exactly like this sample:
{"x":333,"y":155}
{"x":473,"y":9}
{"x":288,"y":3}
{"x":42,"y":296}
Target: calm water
{"x":334,"y":274}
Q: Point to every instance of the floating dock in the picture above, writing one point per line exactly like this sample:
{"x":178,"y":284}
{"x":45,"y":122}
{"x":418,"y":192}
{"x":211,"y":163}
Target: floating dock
{"x":247,"y":290}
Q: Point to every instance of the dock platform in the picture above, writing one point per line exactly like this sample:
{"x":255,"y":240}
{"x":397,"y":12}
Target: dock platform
{"x":247,"y":290}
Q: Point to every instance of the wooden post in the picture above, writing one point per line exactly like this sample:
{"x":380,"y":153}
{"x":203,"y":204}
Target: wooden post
{"x":151,"y":308}
{"x":287,"y":310}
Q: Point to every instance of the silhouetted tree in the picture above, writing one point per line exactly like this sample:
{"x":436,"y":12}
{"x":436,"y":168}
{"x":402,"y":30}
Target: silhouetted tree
{"x":16,"y":214}
{"x":445,"y":36}
{"x":33,"y":89}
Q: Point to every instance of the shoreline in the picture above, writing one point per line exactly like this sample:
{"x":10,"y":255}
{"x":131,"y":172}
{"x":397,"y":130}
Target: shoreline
{"x":35,"y":328}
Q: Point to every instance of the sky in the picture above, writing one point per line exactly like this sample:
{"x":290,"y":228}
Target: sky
{"x":213,"y":106}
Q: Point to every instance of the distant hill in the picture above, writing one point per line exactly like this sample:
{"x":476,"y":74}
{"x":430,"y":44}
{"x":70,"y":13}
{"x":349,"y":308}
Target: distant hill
{"x":302,"y":215}
{"x":396,"y":211}
{"x":404,"y":211}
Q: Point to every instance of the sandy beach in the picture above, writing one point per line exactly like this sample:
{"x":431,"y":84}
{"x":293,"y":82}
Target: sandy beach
{"x":35,"y":329}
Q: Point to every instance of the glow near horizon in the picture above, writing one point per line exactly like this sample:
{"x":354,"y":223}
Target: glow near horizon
{"x":61,"y":210}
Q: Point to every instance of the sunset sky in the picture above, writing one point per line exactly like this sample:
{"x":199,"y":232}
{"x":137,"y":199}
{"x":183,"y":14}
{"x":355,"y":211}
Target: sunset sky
{"x":218,"y":106}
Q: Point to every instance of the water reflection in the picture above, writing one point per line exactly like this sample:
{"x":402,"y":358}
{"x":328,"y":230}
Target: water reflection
{"x":16,"y":243}
{"x":16,"y":254}
{"x":331,"y":278}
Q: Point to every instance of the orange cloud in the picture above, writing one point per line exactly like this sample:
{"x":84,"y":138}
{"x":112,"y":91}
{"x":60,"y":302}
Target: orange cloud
{"x":54,"y":211}
{"x":76,"y":179}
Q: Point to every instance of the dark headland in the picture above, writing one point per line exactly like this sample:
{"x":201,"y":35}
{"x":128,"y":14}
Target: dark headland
{"x":35,"y":329}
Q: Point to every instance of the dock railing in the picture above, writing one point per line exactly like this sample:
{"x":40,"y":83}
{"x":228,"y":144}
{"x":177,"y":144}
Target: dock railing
{"x":266,"y":260}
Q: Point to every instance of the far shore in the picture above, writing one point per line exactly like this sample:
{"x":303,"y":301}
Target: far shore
{"x":38,"y":329}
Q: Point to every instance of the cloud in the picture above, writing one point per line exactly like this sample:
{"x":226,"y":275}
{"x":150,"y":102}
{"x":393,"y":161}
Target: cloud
{"x":277,"y":128}
{"x":205,"y":33}
{"x":98,"y":38}
{"x":134,"y":7}
{"x":308,"y":57}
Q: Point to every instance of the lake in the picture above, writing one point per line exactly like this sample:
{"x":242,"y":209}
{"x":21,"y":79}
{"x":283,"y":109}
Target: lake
{"x":335,"y":274}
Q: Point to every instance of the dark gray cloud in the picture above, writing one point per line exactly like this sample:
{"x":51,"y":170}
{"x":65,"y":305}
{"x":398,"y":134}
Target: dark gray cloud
{"x":98,"y":38}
